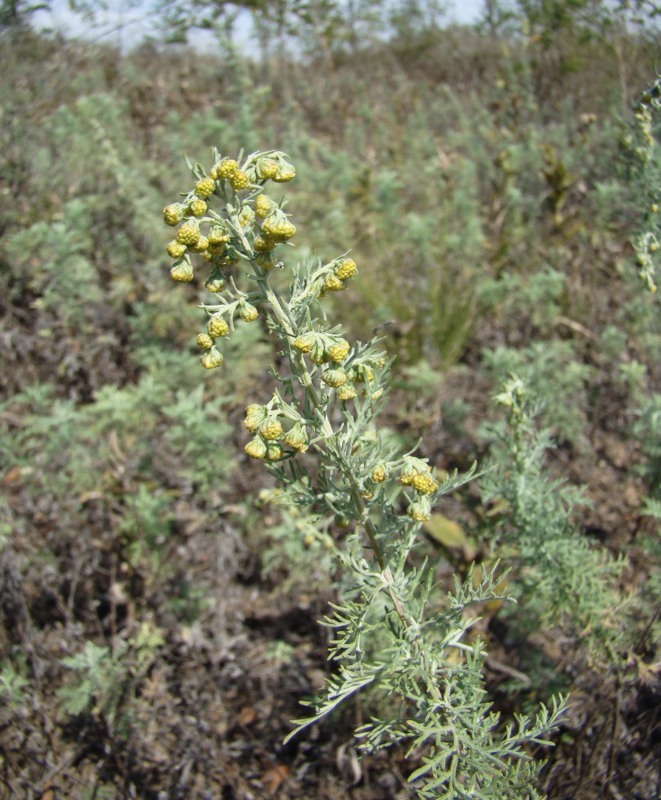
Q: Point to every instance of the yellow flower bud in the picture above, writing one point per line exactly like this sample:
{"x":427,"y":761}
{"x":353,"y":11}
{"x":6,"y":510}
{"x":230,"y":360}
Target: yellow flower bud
{"x":239,"y":180}
{"x":346,"y":392}
{"x":423,"y":483}
{"x":274,"y":451}
{"x":271,"y":429}
{"x":339,"y":351}
{"x":214,"y":285}
{"x":256,"y":448}
{"x":305,"y":342}
{"x":263,"y":244}
{"x":216,"y":249}
{"x":218,"y":235}
{"x":266,"y":168}
{"x":297,"y":438}
{"x":248,"y":312}
{"x":246,"y":217}
{"x":409,"y":472}
{"x":334,"y":377}
{"x":202,"y":244}
{"x":173,"y":214}
{"x":211,"y":359}
{"x":176,"y":249}
{"x":224,"y":169}
{"x":278,"y":227}
{"x":346,"y":269}
{"x":205,"y":188}
{"x":189,"y":233}
{"x":333,"y":284}
{"x":285,"y":173}
{"x":204,"y":341}
{"x":379,"y":473}
{"x":254,"y":417}
{"x":183,"y":271}
{"x":318,"y":354}
{"x":264,"y":205}
{"x":197,"y":207}
{"x":420,"y":510}
{"x":217,"y":326}
{"x":266,"y":260}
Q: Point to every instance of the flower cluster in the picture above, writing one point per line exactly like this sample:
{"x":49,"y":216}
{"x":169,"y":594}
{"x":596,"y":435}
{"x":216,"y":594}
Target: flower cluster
{"x":266,"y":422}
{"x":247,"y":227}
{"x":418,"y":475}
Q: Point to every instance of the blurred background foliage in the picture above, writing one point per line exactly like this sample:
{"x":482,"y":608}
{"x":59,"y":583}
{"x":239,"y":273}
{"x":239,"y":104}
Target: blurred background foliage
{"x":488,"y":181}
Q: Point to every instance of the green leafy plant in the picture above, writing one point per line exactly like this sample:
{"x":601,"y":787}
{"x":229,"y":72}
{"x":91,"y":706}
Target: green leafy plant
{"x":106,"y":678}
{"x":396,"y":635}
{"x":560,"y":578}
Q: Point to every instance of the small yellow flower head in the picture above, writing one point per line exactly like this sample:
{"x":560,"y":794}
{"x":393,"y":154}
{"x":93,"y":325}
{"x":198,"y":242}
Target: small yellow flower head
{"x":346,"y":269}
{"x":255,"y":415}
{"x":346,"y":392}
{"x":183,"y":272}
{"x":420,"y":509}
{"x":363,"y":373}
{"x":218,"y":235}
{"x":274,"y":451}
{"x":266,"y":168}
{"x":214,"y":285}
{"x":217,"y":326}
{"x":248,"y":312}
{"x":198,"y":207}
{"x":334,"y":377}
{"x":216,"y":249}
{"x":339,"y":351}
{"x":423,"y":483}
{"x":211,"y":359}
{"x":285,"y":173}
{"x":318,"y":354}
{"x":266,"y":260}
{"x":176,"y":249}
{"x":202,"y":244}
{"x":224,"y":169}
{"x":205,"y":188}
{"x":333,"y":283}
{"x":246,"y":217}
{"x":264,"y":205}
{"x":189,"y":233}
{"x":409,"y":472}
{"x":305,"y":342}
{"x":379,"y":473}
{"x":278,"y":227}
{"x":262,"y":244}
{"x":271,"y":429}
{"x":239,"y":180}
{"x":256,"y":448}
{"x":297,"y":438}
{"x":204,"y":341}
{"x":173,"y":214}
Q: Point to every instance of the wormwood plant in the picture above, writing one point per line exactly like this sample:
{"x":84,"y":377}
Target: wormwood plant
{"x":396,"y":635}
{"x":561,"y":579}
{"x":643,"y":147}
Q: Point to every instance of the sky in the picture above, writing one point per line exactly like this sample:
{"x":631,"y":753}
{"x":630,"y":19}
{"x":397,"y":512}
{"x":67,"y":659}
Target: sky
{"x":125,"y":23}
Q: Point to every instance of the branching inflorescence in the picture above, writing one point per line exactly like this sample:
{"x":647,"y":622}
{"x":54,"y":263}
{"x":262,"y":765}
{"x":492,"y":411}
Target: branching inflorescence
{"x":396,"y":636}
